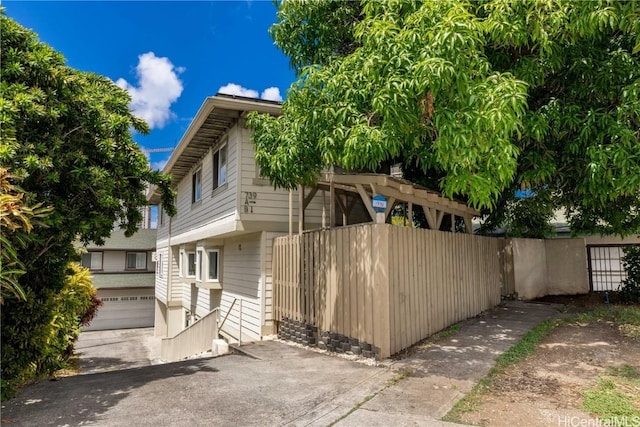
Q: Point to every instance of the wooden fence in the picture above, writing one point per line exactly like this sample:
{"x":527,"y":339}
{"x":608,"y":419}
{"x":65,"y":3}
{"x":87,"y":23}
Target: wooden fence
{"x":386,"y":285}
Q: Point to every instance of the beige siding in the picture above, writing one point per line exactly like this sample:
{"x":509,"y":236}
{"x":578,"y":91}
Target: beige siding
{"x":259,"y":201}
{"x":161,"y":279}
{"x":163,"y":229}
{"x":241,"y":275}
{"x":214,"y":204}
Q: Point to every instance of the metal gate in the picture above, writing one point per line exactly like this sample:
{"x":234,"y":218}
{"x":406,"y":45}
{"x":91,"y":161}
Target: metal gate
{"x":606,"y":271}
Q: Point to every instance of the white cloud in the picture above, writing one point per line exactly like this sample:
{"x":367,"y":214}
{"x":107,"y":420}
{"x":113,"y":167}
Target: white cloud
{"x":158,"y":87}
{"x":237,"y":90}
{"x":270,"y":94}
{"x":159,"y":165}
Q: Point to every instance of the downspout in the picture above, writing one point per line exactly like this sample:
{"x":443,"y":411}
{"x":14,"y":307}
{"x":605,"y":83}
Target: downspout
{"x":169,"y":271}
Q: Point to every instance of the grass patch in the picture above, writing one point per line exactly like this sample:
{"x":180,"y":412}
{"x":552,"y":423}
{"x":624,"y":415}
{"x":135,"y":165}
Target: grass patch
{"x":518,"y":352}
{"x":626,"y":317}
{"x":445,"y":333}
{"x":612,"y":399}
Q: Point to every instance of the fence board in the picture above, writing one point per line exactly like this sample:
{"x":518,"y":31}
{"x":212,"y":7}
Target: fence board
{"x":386,"y":285}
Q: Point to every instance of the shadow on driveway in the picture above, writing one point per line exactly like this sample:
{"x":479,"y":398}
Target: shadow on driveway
{"x":87,"y":397}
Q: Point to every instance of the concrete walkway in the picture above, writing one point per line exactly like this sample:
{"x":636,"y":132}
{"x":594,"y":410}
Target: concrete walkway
{"x":432,"y":378}
{"x":280,"y":385}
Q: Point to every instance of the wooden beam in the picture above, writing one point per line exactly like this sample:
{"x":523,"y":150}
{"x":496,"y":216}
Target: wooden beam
{"x":428,"y":213}
{"x":390,"y":192}
{"x":439,"y":216}
{"x":453,"y":223}
{"x":468,"y":225}
{"x":366,"y":200}
{"x":309,"y":197}
{"x":390,"y":187}
{"x":410,"y":214}
{"x":343,"y":209}
{"x":390,"y":204}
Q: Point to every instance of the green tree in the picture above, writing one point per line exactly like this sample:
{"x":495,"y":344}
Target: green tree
{"x":480,"y":98}
{"x":67,"y":135}
{"x":15,"y":217}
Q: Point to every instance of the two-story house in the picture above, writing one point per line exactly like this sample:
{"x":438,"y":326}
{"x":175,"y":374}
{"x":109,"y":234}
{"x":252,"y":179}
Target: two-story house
{"x":216,"y":251}
{"x":123,"y":272}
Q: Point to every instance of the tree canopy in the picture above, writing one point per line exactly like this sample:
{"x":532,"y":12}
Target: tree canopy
{"x":478,"y":99}
{"x":67,"y":141}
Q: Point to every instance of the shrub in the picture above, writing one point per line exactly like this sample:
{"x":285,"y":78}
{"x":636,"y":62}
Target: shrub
{"x":630,"y":288}
{"x":42,"y":341}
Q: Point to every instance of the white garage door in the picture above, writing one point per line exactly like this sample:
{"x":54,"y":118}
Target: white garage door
{"x":122,"y":312}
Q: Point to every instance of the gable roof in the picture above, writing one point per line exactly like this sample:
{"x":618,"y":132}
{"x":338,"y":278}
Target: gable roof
{"x":213,"y":120}
{"x":142,"y":240}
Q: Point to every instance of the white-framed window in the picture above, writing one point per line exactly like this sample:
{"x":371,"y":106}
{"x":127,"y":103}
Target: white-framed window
{"x":199,"y":262}
{"x":213,"y":267}
{"x":160,"y":266}
{"x":191,"y":264}
{"x":136,"y":261}
{"x":92,"y":260}
{"x":220,"y":167}
{"x":196,"y":186}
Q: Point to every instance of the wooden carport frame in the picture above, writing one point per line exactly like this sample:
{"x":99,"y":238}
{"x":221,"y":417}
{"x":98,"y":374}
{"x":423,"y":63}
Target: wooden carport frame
{"x":395,"y":190}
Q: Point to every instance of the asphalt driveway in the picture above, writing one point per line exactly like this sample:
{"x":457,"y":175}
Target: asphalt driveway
{"x":281,"y":385}
{"x":289,"y":386}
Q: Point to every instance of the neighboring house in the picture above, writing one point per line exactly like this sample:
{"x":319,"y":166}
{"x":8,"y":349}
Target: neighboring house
{"x":123,"y":271}
{"x":216,"y":251}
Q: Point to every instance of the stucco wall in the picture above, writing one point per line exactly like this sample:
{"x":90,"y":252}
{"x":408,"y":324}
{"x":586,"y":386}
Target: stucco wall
{"x":566,"y":267}
{"x":548,"y":267}
{"x":529,"y":268}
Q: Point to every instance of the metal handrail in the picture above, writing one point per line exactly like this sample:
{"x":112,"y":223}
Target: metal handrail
{"x":227,"y":315}
{"x":239,"y":321}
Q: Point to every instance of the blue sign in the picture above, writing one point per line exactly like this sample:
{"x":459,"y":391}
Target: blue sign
{"x":379,"y":204}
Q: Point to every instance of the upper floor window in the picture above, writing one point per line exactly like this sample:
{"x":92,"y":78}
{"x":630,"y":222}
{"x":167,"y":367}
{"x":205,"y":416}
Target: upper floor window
{"x":196,"y":186}
{"x":136,"y":261}
{"x":220,"y":167}
{"x":92,"y":260}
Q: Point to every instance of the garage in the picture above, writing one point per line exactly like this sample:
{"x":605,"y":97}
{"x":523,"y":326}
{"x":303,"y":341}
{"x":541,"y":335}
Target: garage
{"x":124,"y":308}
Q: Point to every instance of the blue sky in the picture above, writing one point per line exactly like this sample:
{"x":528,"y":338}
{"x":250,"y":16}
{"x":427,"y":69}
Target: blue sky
{"x":169,"y":55}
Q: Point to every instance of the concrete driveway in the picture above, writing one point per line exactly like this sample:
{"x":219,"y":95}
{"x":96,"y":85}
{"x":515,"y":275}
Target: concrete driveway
{"x":103,"y":351}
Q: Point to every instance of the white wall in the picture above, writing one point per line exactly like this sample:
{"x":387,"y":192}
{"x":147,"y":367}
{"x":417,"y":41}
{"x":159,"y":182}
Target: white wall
{"x":241,"y":279}
{"x":214,"y":204}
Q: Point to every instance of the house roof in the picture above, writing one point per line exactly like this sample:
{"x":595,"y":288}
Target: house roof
{"x":123,"y":280}
{"x":214,"y":118}
{"x":143,"y":239}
